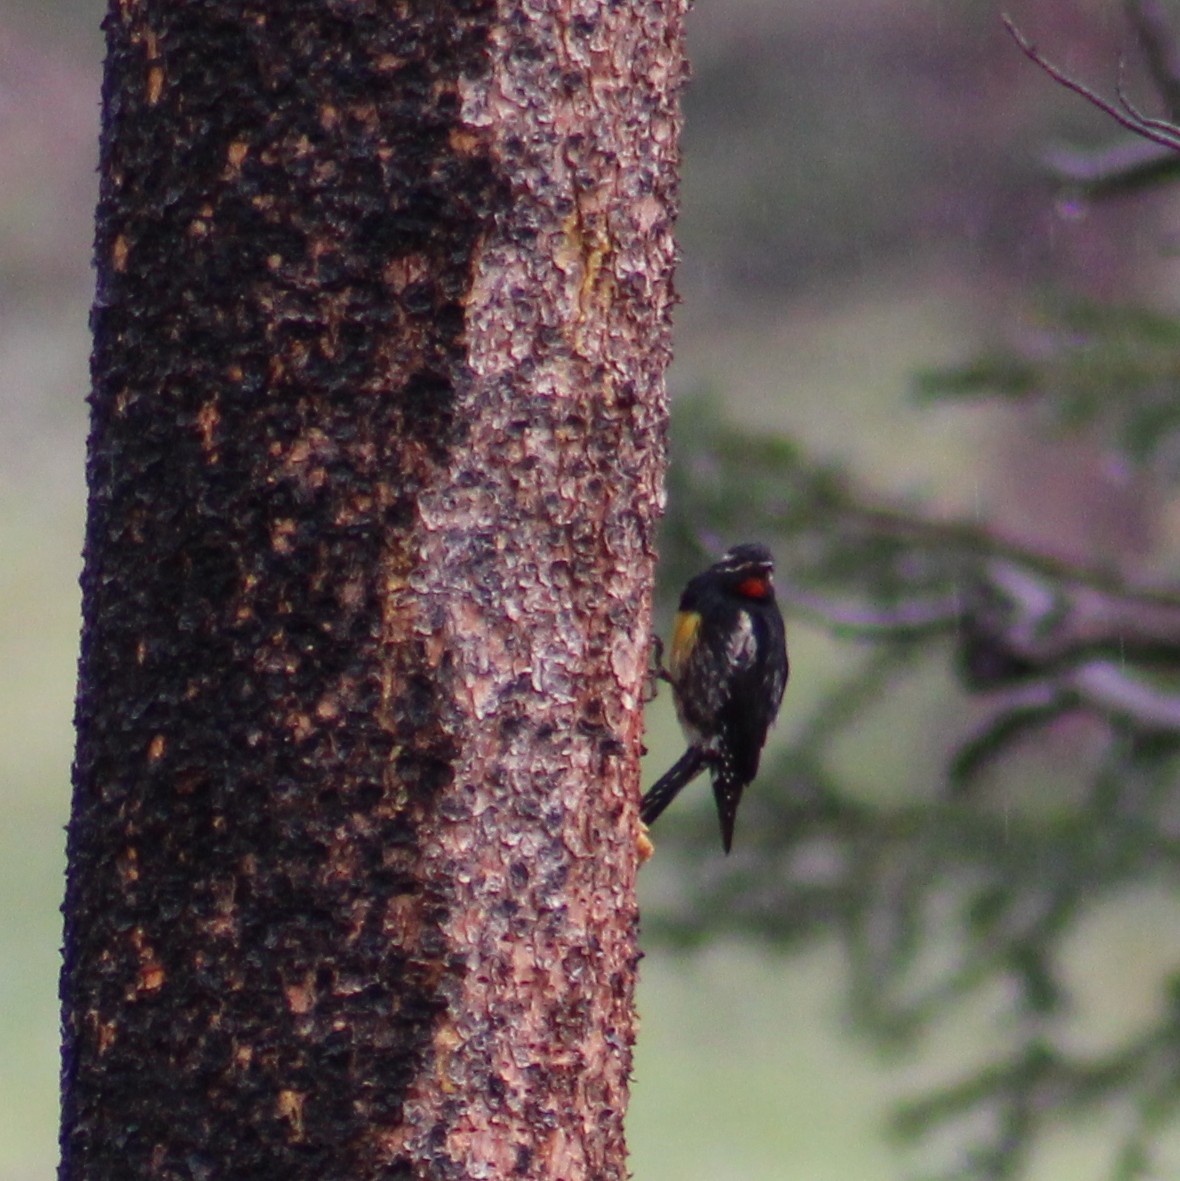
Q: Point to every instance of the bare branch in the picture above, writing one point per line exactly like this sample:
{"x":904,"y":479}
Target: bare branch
{"x":906,"y":620}
{"x":1126,"y":165}
{"x":1163,"y":126}
{"x":1045,"y":622}
{"x":1104,"y":686}
{"x":983,"y":542}
{"x":1170,"y":138}
{"x":1016,"y":712}
{"x":1098,"y":686}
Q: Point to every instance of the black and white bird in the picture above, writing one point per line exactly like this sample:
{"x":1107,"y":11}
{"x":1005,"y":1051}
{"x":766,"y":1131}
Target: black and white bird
{"x":728,"y":668}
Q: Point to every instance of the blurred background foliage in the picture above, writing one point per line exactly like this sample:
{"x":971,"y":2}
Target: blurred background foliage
{"x":928,"y":351}
{"x":936,"y":366}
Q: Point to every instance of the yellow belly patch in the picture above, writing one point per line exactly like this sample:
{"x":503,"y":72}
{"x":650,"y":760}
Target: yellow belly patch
{"x":684,"y":636}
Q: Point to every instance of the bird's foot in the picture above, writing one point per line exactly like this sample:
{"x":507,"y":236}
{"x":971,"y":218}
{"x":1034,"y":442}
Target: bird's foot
{"x":656,"y":672}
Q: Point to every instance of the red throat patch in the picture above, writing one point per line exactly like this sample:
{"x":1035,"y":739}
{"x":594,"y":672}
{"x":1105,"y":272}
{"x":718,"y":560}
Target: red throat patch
{"x":756,"y":587}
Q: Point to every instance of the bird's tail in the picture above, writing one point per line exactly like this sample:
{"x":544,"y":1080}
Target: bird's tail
{"x":727,"y":791}
{"x":668,"y":786}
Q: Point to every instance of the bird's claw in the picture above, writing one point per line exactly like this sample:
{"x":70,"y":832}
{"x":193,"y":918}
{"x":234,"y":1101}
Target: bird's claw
{"x":656,"y":672}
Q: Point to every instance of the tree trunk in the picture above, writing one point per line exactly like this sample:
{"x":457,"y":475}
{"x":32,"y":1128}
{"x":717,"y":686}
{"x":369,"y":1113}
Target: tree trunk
{"x":375,"y":462}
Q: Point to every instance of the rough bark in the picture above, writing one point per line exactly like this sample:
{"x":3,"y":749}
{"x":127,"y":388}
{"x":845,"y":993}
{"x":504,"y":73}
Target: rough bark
{"x":376,"y":451}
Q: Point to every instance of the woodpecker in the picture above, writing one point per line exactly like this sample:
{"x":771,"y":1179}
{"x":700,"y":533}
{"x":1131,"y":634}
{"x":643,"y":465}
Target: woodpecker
{"x":728,"y":669}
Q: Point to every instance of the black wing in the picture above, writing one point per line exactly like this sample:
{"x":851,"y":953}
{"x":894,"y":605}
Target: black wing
{"x":755,"y":691}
